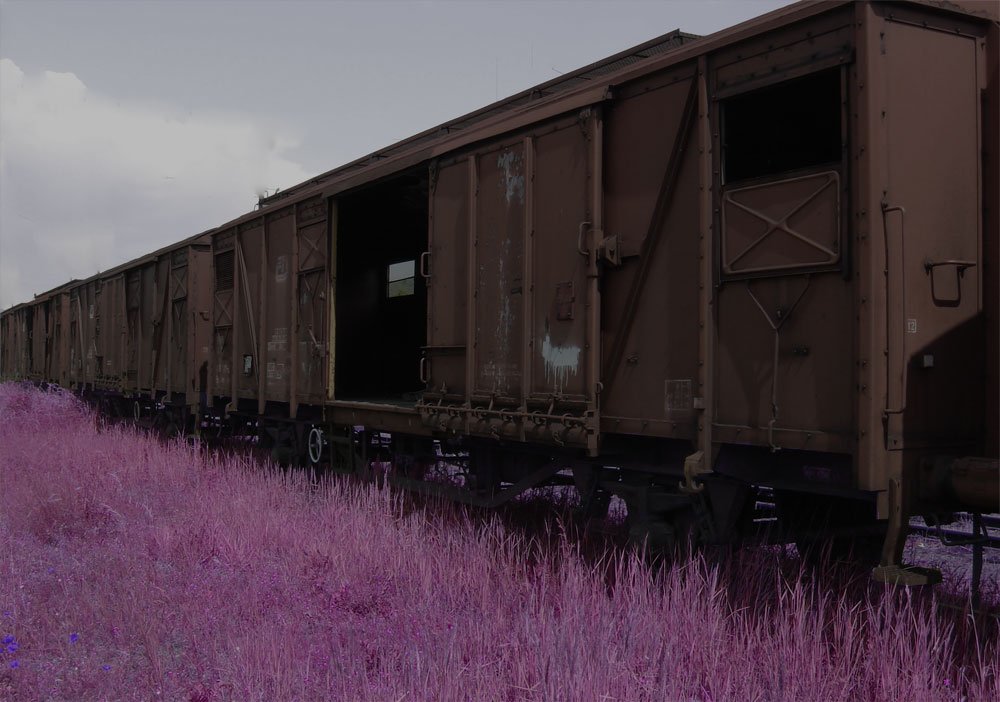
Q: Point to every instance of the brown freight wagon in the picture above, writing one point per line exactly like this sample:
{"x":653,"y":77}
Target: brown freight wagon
{"x":93,"y":342}
{"x":702,"y":269}
{"x":30,"y":338}
{"x":164,"y":334}
{"x":155,"y":311}
{"x":15,"y":347}
{"x":763,"y":258}
{"x":270,"y":305}
{"x":135,"y":339}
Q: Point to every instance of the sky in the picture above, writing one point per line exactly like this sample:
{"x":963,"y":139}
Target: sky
{"x":128,"y":125}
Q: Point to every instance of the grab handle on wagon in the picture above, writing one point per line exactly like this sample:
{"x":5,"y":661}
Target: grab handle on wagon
{"x":960,"y":267}
{"x":899,"y":332}
{"x":580,"y":237}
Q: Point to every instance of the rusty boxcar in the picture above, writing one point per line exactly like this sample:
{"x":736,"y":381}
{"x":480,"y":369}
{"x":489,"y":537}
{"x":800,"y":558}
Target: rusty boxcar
{"x":765,"y":259}
{"x":31,"y":335}
{"x":136,"y":336}
{"x":160,"y":311}
{"x":270,"y":311}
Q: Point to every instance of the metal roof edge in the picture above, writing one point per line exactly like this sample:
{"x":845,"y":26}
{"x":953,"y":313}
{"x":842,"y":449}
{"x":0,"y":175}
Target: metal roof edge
{"x":983,"y":9}
{"x":145,"y":258}
{"x":447,"y":127}
{"x":341,"y":179}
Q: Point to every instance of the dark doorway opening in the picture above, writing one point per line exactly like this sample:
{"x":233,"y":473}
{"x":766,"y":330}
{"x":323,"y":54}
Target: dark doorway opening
{"x":381,"y":297}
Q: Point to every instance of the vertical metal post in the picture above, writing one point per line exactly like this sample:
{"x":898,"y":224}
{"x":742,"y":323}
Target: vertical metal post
{"x":331,"y":350}
{"x":64,"y":339}
{"x":50,"y":336}
{"x":427,"y":371}
{"x":528,"y":282}
{"x":236,"y":368}
{"x":293,"y":326}
{"x":192,"y":389}
{"x":989,"y":250}
{"x":977,"y":556}
{"x":123,"y":345}
{"x":168,"y":306}
{"x":593,"y":326}
{"x":706,"y":317}
{"x":897,"y":528}
{"x":262,"y":324}
{"x":470,"y":329}
{"x":881,"y":357}
{"x":211,"y":298}
{"x":156,"y":337}
{"x":191,"y":301}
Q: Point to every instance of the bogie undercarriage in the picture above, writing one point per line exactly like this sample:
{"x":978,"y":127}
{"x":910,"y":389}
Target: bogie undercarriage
{"x":667,"y":511}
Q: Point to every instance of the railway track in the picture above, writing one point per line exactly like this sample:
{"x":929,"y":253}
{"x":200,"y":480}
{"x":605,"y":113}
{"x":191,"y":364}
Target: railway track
{"x":989,"y":535}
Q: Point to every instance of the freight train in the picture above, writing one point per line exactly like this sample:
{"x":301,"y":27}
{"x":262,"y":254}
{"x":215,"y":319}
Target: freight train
{"x":703,"y":268}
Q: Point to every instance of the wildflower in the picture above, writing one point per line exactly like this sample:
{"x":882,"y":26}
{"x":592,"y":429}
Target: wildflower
{"x":14,"y":664}
{"x":73,"y":638}
{"x":8,"y":639}
{"x":13,"y":647}
{"x":105,"y":667}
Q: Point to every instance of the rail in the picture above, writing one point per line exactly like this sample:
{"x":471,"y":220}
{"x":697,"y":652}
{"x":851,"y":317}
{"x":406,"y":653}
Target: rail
{"x":957,"y":537}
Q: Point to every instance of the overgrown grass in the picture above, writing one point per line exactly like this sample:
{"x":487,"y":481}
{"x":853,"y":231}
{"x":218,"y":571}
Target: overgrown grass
{"x":130,"y":569}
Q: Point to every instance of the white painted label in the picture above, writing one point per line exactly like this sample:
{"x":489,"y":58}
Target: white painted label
{"x":911,"y":326}
{"x":678,"y":395}
{"x":279,"y":339}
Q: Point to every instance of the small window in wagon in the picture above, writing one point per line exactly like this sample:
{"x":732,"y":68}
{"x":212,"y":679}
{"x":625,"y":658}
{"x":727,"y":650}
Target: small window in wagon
{"x":784,"y":127}
{"x":401,"y":278}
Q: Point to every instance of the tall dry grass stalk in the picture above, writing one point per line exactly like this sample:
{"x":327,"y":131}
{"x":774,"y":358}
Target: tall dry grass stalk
{"x":133,"y":569}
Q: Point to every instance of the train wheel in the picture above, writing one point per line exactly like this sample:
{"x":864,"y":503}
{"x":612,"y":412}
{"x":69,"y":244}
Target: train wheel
{"x":594,"y":501}
{"x":483,"y":471}
{"x":315,"y":445}
{"x":173,"y":429}
{"x":663,"y":521}
{"x":265,"y":439}
{"x":170,"y":422}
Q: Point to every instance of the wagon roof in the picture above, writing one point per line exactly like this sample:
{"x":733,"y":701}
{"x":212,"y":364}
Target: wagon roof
{"x":147,"y":258}
{"x":122,"y":267}
{"x":57,"y":288}
{"x":575,"y":90}
{"x":563,"y":83}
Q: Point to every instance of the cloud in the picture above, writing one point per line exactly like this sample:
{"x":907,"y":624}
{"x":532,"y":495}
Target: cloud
{"x":88,"y":182}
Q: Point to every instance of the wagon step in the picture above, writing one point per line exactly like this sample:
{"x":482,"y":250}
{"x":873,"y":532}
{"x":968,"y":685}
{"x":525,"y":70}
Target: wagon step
{"x":906,"y":576}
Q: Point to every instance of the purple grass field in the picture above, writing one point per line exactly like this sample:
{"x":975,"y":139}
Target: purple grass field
{"x":131,"y":569}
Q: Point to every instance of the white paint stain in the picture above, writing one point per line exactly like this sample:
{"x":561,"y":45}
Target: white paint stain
{"x":509,"y":163}
{"x":281,"y":269}
{"x":560,"y":361}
